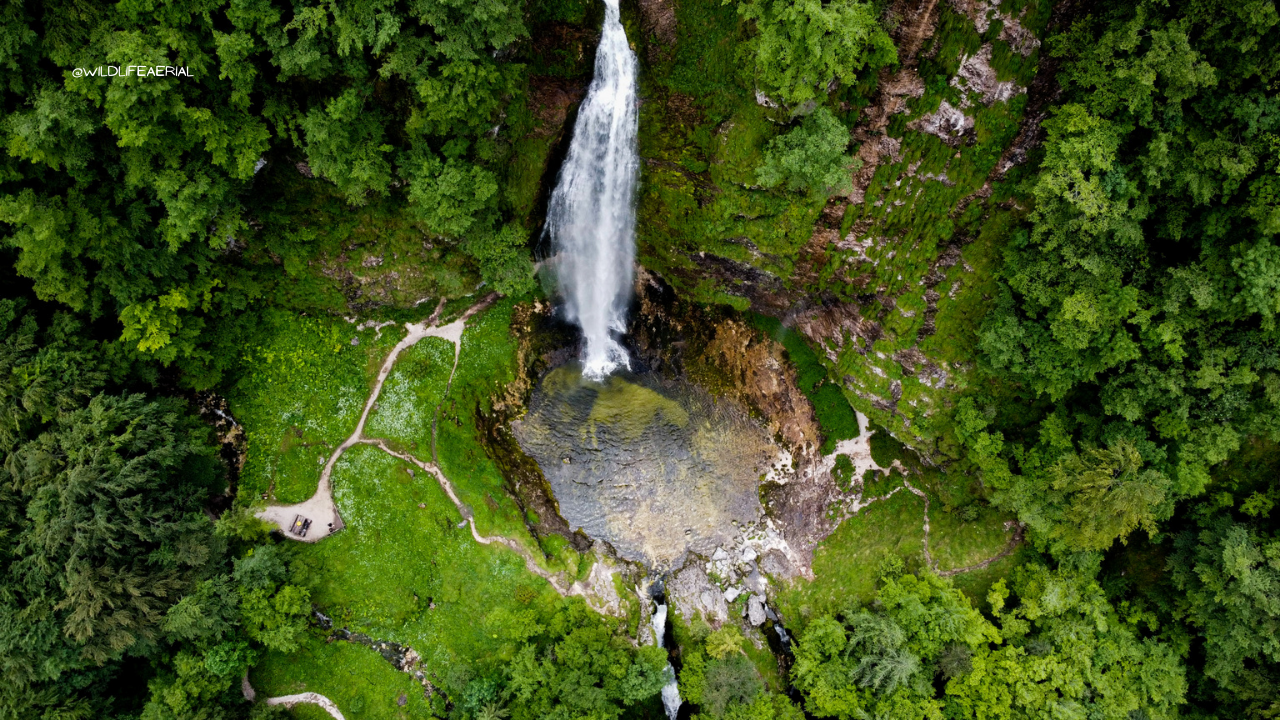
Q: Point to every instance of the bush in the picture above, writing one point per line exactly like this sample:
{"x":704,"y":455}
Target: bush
{"x":805,"y":44}
{"x":730,"y":681}
{"x":810,"y":157}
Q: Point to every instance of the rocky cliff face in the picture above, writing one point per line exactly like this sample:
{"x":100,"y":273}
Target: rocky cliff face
{"x":886,"y":281}
{"x":722,"y":353}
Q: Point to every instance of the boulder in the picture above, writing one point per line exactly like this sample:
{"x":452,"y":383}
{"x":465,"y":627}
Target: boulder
{"x":775,"y":563}
{"x":755,"y":611}
{"x":691,"y":593}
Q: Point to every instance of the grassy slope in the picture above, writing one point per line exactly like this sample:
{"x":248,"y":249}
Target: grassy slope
{"x":411,"y":395}
{"x":403,"y":550}
{"x":404,"y":571}
{"x":356,"y":678}
{"x":301,"y":391}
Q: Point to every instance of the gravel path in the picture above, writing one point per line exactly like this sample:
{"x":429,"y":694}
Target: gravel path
{"x":322,"y":511}
{"x":320,"y":508}
{"x":308,"y":697}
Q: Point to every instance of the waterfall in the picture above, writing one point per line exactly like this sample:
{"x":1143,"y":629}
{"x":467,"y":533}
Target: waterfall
{"x":671,"y":691}
{"x":591,"y":216}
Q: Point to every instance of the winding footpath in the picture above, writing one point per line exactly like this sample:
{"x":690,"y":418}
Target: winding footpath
{"x":320,"y":507}
{"x":289,"y":701}
{"x":308,"y":697}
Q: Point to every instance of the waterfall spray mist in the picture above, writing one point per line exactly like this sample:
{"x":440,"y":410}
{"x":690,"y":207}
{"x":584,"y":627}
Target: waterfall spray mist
{"x":591,"y":216}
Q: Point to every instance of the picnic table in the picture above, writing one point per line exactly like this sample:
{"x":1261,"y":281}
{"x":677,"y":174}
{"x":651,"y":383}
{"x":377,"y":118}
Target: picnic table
{"x":300,"y":526}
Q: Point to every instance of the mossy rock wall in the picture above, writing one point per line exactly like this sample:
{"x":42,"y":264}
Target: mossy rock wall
{"x":888,"y":283}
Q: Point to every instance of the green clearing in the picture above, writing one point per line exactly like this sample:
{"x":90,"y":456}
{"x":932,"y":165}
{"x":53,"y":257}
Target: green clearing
{"x":356,"y":678}
{"x":300,"y":392}
{"x":395,"y":560}
{"x":846,"y":564}
{"x":412,"y":392}
{"x":977,"y":583}
{"x":964,"y":530}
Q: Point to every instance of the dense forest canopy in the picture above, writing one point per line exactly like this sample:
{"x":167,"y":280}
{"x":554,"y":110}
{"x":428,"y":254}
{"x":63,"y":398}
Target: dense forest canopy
{"x":137,"y":201}
{"x":1125,"y":405}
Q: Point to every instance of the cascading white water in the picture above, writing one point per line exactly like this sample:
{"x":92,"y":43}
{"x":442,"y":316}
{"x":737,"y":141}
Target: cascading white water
{"x":671,"y":691}
{"x":591,"y":215}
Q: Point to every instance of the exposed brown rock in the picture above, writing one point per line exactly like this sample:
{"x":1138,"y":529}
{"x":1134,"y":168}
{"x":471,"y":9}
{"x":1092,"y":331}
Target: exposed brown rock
{"x":719,"y":351}
{"x":918,"y":26}
{"x":891,"y":99}
{"x":760,"y":376}
{"x":658,"y":21}
{"x":549,"y":100}
{"x":831,"y":326}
